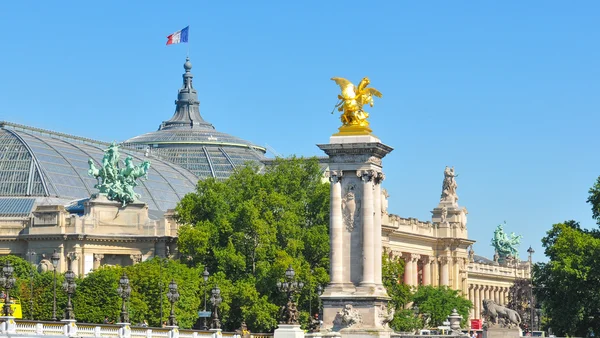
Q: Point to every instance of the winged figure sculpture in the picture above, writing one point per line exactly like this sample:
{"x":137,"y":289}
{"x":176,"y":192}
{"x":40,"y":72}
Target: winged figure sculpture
{"x":352,"y":99}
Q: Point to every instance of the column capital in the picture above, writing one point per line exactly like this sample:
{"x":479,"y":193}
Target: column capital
{"x":426,"y":259}
{"x":136,"y":258}
{"x":73,"y":256}
{"x":365,"y":175}
{"x":444,"y":259}
{"x":334,"y":176}
{"x":379,"y":177}
{"x":415,"y":257}
{"x":98,"y":257}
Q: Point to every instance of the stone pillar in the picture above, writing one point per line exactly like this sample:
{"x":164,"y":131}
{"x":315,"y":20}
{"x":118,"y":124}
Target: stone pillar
{"x":481,"y":298}
{"x":472,"y":299}
{"x":496,"y":296}
{"x":505,"y":296}
{"x":444,"y":260}
{"x":415,"y":267}
{"x":355,"y":234}
{"x":336,"y":229}
{"x":435,"y":271}
{"x":368,"y":277}
{"x":426,"y":270}
{"x":486,"y":292}
{"x":476,"y":302}
{"x":379,"y":177}
{"x":98,"y":260}
{"x":408,"y":269}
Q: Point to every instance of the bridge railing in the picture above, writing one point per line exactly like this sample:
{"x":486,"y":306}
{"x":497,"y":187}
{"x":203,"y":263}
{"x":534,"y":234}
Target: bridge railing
{"x":28,"y":327}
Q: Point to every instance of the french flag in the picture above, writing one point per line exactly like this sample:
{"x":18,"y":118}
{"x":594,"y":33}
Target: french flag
{"x":179,"y":36}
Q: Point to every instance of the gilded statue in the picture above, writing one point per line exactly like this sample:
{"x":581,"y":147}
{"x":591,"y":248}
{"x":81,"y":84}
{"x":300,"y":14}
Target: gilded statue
{"x":114,"y":182}
{"x":352,"y":99}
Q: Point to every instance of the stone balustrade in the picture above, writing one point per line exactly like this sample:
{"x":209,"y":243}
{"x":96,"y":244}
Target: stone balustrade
{"x":27,"y":328}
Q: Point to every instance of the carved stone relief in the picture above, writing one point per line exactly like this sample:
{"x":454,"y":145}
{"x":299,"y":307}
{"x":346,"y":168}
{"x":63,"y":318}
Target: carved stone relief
{"x":350,"y":207}
{"x":347,"y":317}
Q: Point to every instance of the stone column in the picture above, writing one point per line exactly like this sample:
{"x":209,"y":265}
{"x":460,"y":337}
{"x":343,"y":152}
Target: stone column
{"x":379,"y":177}
{"x":336,"y":229}
{"x":368,"y":277}
{"x":505,"y":296}
{"x":486,"y":292}
{"x":408,"y":269}
{"x":98,"y":260}
{"x":415,"y":267}
{"x":435,"y":271}
{"x":472,"y":299}
{"x":444,"y":270}
{"x":496,"y":296}
{"x":426,"y":270}
{"x":476,"y":302}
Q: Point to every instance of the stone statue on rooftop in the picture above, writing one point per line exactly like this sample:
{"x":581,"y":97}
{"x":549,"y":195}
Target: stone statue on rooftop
{"x":352,"y":99}
{"x":114,"y":182}
{"x":506,"y":245}
{"x":449,"y":186}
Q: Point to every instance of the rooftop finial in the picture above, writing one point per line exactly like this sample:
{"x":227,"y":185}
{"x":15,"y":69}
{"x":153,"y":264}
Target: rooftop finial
{"x":187,"y":65}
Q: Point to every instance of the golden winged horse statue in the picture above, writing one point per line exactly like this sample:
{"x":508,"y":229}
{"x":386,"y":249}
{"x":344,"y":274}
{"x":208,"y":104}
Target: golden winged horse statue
{"x":352,"y":99}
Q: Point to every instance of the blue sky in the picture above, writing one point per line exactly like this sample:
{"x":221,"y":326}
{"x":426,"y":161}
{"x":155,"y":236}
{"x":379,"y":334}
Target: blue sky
{"x":507,"y":92}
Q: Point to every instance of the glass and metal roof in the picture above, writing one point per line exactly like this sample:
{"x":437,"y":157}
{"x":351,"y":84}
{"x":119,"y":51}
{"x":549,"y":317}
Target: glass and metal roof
{"x":35,"y":162}
{"x":193,"y":143}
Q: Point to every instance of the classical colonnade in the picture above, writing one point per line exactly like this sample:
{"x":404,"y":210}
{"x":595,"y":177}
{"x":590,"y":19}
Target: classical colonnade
{"x":477,"y":293}
{"x":440,"y":270}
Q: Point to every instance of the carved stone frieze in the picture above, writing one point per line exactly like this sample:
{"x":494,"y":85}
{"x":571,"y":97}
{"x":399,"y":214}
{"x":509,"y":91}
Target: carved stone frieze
{"x":386,"y":315}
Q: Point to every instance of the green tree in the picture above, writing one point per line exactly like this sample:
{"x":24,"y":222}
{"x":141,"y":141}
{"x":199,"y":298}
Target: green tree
{"x":392,"y":270}
{"x":438,"y":302}
{"x":567,"y":284}
{"x":96,"y":296}
{"x":519,"y":299}
{"x":249,"y":228}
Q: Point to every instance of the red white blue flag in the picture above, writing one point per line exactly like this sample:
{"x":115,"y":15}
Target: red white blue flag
{"x":179,"y":36}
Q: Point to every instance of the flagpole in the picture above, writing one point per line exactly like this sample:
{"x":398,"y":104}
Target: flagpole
{"x":188,"y":43}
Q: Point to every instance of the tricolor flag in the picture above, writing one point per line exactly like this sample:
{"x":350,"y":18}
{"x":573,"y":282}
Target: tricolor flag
{"x":179,"y":36}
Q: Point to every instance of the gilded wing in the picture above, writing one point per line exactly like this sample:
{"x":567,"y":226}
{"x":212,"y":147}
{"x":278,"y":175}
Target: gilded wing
{"x":343,"y":83}
{"x":372,"y":91}
{"x":363,"y":84}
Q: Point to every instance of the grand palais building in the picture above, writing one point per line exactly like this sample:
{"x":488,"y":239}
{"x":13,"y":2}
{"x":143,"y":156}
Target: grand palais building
{"x":44,"y":188}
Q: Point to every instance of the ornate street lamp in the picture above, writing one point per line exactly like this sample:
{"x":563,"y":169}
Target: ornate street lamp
{"x":8,"y":282}
{"x":69,"y":286}
{"x":290,"y":287}
{"x":124,"y":290}
{"x":55,"y":258}
{"x":173,"y":296}
{"x":319,"y":292}
{"x":205,"y":276}
{"x":215,"y":300}
{"x":530,"y":251}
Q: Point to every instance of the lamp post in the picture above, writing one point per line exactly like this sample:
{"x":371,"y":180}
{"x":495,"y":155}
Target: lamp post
{"x":173,"y":296}
{"x":205,"y":275}
{"x":319,"y":293}
{"x":69,"y":286}
{"x":530,"y":251}
{"x":8,"y":282}
{"x":124,"y":290}
{"x":55,"y":258}
{"x":31,"y":255}
{"x":215,"y":300}
{"x":290,"y":287}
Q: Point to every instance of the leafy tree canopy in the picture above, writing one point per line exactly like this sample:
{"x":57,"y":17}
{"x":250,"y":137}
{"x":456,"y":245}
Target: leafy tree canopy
{"x":249,"y":228}
{"x":567,"y":284}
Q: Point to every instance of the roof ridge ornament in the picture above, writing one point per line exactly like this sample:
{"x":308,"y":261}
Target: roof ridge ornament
{"x":114,"y":182}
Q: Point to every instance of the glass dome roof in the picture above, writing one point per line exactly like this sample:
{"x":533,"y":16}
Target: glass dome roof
{"x":193,"y":143}
{"x":35,"y":162}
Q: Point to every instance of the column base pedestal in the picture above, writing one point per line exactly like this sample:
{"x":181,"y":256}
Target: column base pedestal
{"x":288,"y":331}
{"x":70,"y":328}
{"x":8,"y":324}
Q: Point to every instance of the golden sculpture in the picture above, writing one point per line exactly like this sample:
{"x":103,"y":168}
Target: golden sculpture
{"x":352,"y":100}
